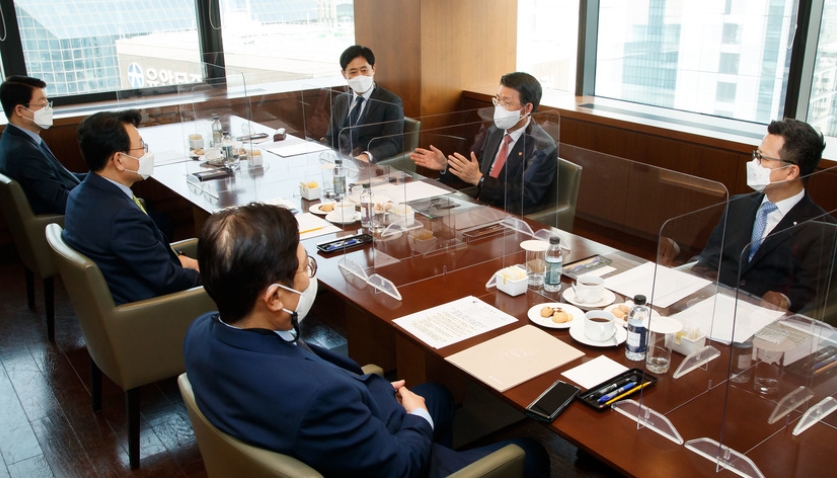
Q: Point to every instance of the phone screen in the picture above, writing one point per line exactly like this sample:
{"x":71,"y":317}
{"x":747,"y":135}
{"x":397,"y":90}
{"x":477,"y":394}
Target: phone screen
{"x":553,"y":400}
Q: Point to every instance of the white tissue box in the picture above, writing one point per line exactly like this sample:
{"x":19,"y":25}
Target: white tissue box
{"x":512,"y":287}
{"x":309,"y":193}
{"x":685,"y":345}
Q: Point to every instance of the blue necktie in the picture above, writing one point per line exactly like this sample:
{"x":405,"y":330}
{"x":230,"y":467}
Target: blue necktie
{"x":354,"y":118}
{"x":758,"y":229}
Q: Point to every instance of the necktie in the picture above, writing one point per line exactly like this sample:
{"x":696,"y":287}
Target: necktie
{"x":758,"y":229}
{"x":501,"y":157}
{"x":354,"y":117}
{"x":139,"y":204}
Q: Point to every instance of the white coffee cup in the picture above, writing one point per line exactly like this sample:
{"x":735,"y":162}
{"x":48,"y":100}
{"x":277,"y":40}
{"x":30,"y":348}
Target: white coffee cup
{"x":344,"y":211}
{"x":589,"y":289}
{"x":599,"y":325}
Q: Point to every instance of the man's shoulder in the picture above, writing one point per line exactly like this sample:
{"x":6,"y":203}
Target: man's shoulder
{"x":382,"y":94}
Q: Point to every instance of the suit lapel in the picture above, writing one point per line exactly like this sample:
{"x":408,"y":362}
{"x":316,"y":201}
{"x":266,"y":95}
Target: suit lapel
{"x":779,"y":235}
{"x":492,"y":146}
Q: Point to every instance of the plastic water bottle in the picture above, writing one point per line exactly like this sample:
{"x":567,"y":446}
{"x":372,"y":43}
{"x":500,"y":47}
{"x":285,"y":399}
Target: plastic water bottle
{"x":366,"y":206}
{"x":339,"y":179}
{"x":217,"y":131}
{"x":554,"y":265}
{"x":637,"y":344}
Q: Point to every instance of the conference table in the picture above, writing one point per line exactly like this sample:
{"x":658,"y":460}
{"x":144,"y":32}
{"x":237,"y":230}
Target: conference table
{"x":703,"y":403}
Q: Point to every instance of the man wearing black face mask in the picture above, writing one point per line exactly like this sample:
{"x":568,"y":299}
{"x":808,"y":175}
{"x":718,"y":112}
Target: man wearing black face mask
{"x":24,"y":156}
{"x":255,"y":379}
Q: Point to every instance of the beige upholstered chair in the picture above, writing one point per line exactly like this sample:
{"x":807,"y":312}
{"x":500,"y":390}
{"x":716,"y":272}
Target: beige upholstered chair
{"x":402,"y":160}
{"x":226,"y":456}
{"x":28,"y":233}
{"x":561,"y":213}
{"x":133,"y":344}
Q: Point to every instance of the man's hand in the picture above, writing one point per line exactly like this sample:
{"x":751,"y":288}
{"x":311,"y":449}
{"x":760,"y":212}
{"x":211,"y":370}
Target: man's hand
{"x":775,"y":300}
{"x":188,"y":262}
{"x":362,"y":158}
{"x":668,"y":252}
{"x":432,"y":159}
{"x":408,"y":399}
{"x":465,"y":169}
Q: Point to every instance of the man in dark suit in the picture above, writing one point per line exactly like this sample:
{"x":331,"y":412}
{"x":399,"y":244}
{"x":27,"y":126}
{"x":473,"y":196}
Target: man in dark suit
{"x":368,"y":121}
{"x":24,"y":156}
{"x":106,"y":222}
{"x":255,"y":378}
{"x":768,"y":251}
{"x":513,"y":162}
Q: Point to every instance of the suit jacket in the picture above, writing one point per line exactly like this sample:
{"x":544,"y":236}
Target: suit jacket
{"x":321,"y":409}
{"x":527,"y":175}
{"x":45,"y":181}
{"x":789,"y":260}
{"x":383,"y":120}
{"x":108,"y":227}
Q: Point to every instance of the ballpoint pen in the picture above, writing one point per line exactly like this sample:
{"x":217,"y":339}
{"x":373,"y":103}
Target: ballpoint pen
{"x":611,"y":388}
{"x":339,"y":245}
{"x":620,"y":397}
{"x":310,"y":230}
{"x":608,"y":396}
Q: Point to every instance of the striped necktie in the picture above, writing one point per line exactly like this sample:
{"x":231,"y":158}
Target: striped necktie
{"x":758,"y":229}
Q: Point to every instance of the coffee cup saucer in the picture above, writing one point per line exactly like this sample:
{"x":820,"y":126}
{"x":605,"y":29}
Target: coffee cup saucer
{"x":607,"y":298}
{"x":577,"y":333}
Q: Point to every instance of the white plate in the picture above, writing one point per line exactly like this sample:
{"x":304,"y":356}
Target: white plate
{"x":535,"y":315}
{"x":624,"y":321}
{"x":607,"y":299}
{"x":315,"y":209}
{"x":335,"y":218}
{"x":577,"y":332}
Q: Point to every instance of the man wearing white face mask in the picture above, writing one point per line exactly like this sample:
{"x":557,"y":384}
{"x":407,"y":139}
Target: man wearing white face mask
{"x":368,"y":121}
{"x":782,"y":268}
{"x":24,"y":156}
{"x":513,"y":162}
{"x":256,"y":379}
{"x":108,"y":224}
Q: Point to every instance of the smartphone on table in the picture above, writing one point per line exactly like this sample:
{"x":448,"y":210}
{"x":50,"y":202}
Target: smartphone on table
{"x":552,"y":401}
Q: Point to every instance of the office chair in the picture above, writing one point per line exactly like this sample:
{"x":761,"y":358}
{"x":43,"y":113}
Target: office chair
{"x":27,"y":231}
{"x":561,"y":212}
{"x":402,"y":160}
{"x":226,"y":456}
{"x":133,"y":344}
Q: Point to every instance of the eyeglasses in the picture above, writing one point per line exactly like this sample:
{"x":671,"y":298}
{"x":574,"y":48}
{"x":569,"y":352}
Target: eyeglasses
{"x":48,"y":104}
{"x":312,"y":266}
{"x":759,"y":157}
{"x":505,"y":103}
{"x":144,"y":147}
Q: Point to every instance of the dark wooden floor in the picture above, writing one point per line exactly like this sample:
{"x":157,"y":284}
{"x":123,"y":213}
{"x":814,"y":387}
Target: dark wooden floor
{"x":48,"y":428}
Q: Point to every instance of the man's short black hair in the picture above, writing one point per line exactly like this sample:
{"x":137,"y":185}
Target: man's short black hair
{"x":355,"y":51}
{"x":243,"y":250}
{"x":525,"y":84}
{"x":803,"y":144}
{"x":17,"y":90}
{"x":102,"y":134}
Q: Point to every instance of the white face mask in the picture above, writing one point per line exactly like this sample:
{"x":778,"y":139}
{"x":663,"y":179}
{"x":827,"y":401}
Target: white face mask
{"x":505,"y":119}
{"x":758,"y":177}
{"x":306,"y":299}
{"x":146,"y":165}
{"x":361,"y":83}
{"x":42,"y":117}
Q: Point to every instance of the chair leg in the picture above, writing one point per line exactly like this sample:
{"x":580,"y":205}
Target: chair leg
{"x":30,"y":287}
{"x":49,"y":298}
{"x":132,"y":403}
{"x":96,"y":385}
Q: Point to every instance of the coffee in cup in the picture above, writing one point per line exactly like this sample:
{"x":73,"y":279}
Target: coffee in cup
{"x":599,"y":325}
{"x":589,"y":289}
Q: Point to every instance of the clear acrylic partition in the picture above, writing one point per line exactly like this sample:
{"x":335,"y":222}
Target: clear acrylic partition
{"x":773,"y":320}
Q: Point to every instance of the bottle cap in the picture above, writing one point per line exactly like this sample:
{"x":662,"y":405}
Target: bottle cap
{"x":639,"y":299}
{"x":554,"y":240}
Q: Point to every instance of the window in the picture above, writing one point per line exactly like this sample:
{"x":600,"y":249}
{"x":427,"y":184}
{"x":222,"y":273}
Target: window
{"x":822,"y":109}
{"x":277,"y":41}
{"x":142,"y":43}
{"x":547,"y":45}
{"x":660,"y":53}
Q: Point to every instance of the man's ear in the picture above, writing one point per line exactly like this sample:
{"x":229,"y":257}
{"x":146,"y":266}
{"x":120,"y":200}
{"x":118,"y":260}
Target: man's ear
{"x":528,"y":108}
{"x":272,"y":299}
{"x":794,"y":172}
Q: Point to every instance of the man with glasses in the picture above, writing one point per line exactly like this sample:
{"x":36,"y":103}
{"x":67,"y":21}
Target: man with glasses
{"x":256,"y":379}
{"x":24,"y":156}
{"x":108,"y":224}
{"x":513,"y":162}
{"x":783,"y":269}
